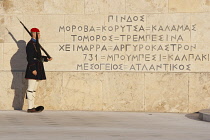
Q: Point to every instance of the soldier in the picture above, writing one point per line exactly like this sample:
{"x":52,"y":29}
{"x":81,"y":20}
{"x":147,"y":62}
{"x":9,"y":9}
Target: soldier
{"x":35,"y":69}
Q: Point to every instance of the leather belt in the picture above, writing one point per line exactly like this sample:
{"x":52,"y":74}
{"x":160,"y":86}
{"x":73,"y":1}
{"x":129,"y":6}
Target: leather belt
{"x":38,"y":59}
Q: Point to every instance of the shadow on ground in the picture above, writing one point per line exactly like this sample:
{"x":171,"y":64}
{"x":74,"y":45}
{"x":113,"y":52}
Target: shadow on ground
{"x":193,"y":116}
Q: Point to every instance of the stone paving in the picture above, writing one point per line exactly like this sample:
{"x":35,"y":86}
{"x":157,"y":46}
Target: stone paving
{"x":84,"y":125}
{"x":204,"y":115}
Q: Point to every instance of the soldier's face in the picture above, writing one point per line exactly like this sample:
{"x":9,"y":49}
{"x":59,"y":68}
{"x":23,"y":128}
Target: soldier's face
{"x":34,"y":35}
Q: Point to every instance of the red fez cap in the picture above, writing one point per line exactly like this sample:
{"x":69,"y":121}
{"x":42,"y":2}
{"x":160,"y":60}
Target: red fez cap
{"x":35,"y":30}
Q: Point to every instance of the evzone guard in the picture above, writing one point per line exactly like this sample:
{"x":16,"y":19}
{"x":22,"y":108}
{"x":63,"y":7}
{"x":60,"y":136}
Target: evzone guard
{"x":35,"y":69}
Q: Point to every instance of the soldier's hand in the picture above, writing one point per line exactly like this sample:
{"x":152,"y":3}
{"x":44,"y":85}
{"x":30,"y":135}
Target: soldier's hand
{"x":49,"y":59}
{"x":34,"y":72}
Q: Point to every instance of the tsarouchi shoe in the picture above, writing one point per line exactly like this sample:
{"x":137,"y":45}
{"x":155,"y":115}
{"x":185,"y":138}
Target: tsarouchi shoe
{"x":39,"y":108}
{"x":33,"y":110}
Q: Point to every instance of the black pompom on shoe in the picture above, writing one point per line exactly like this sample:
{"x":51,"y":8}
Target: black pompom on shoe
{"x":39,"y":108}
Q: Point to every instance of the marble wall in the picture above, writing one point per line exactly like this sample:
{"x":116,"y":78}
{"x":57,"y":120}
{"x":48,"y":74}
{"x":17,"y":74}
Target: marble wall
{"x":110,"y":91}
{"x":69,"y":89}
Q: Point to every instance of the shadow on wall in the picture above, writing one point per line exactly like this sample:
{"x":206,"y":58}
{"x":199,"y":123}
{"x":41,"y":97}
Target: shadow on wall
{"x":18,"y":65}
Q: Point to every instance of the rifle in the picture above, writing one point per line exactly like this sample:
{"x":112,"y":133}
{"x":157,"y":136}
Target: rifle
{"x":37,"y":40}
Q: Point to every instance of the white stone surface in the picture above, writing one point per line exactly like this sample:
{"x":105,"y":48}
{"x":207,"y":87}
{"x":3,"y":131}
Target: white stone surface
{"x":166,"y":92}
{"x":67,"y":88}
{"x":202,"y":28}
{"x":104,"y":6}
{"x":12,"y":29}
{"x":26,"y":7}
{"x":123,"y":92}
{"x":146,"y":6}
{"x":176,"y":6}
{"x":67,"y":125}
{"x":48,"y":26}
{"x":199,"y":97}
{"x":82,"y":91}
{"x":1,"y":57}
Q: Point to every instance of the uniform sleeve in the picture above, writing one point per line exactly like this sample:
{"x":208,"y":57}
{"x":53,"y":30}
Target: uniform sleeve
{"x":45,"y":58}
{"x":30,"y":57}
